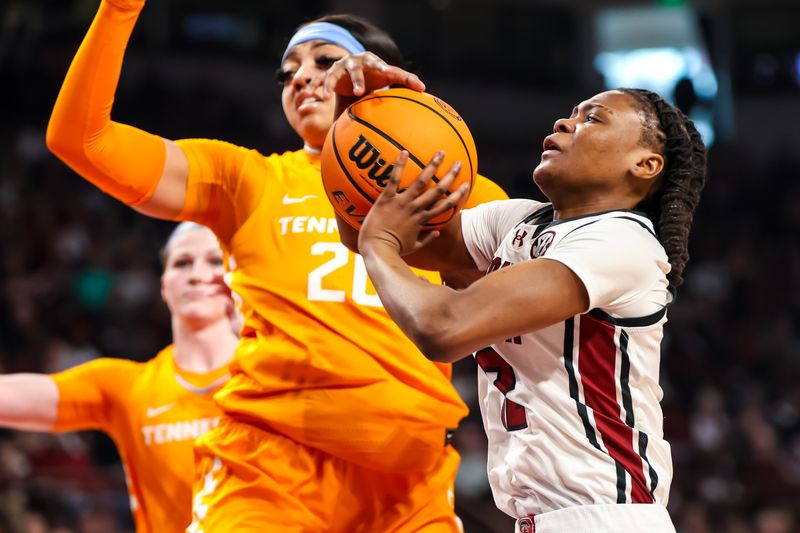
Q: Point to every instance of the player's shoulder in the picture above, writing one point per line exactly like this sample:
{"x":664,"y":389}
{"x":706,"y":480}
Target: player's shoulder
{"x":227,"y":151}
{"x":504,"y":212}
{"x":294,"y":158}
{"x":134,"y":368}
{"x":115,"y":364}
{"x":103,"y":371}
{"x":495,"y":219}
{"x":630,"y":224}
{"x":291,"y":165}
{"x":521,"y":205}
{"x":626,"y":235}
{"x":140,"y":376}
{"x":164,"y":358}
{"x":198,"y":143}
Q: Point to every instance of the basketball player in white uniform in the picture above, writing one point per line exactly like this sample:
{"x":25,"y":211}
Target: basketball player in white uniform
{"x":572,"y":410}
{"x":566,"y":325}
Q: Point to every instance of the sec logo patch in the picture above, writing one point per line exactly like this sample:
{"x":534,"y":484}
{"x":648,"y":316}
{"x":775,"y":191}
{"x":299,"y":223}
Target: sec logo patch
{"x":541,"y":243}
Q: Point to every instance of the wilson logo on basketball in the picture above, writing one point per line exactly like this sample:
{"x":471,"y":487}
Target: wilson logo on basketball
{"x":360,"y":149}
{"x":447,"y":109}
{"x":541,"y":243}
{"x":366,"y":156}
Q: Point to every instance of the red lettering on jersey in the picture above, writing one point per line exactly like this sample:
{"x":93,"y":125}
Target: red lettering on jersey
{"x":512,"y":414}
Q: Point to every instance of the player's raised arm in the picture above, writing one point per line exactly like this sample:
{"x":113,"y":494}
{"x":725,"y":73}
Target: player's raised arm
{"x":140,"y":169}
{"x":28,"y":402}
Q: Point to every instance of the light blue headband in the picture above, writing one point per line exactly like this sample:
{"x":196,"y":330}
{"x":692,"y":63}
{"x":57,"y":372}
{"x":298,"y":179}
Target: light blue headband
{"x":324,"y":31}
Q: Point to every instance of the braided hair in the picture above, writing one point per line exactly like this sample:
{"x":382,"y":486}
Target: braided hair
{"x":671,"y":202}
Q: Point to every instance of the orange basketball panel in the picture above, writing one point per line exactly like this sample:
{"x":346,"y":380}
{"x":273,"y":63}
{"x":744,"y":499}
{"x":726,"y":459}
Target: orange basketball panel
{"x":359,"y":152}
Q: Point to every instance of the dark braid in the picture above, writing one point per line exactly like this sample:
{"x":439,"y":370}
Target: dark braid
{"x":672,"y":201}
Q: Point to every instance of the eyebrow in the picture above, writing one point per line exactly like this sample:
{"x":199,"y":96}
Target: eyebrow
{"x":590,"y":106}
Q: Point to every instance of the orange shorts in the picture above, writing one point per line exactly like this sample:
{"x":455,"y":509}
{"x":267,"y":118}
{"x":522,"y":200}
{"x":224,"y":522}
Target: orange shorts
{"x":249,"y":480}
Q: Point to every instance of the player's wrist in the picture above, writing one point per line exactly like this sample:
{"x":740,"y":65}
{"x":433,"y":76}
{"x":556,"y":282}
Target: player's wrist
{"x":379,"y":245}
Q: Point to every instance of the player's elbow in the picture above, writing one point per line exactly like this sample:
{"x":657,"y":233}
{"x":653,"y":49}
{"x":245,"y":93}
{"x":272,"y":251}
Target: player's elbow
{"x":59,"y":141}
{"x":435,"y":336}
{"x":434,"y":351}
{"x":53,"y":139}
{"x":441,"y":352}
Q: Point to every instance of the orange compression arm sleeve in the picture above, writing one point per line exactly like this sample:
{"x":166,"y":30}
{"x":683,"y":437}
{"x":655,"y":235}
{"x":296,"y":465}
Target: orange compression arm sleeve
{"x":123,"y":161}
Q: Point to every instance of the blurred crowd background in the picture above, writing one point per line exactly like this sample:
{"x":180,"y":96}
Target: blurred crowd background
{"x":79,"y":274}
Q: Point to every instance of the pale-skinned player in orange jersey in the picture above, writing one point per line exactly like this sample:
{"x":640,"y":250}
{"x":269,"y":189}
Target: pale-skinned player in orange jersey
{"x":153,"y":410}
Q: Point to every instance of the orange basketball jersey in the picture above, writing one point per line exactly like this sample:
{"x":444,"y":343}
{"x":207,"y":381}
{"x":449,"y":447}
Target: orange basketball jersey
{"x":154,"y":414}
{"x":320,"y":360}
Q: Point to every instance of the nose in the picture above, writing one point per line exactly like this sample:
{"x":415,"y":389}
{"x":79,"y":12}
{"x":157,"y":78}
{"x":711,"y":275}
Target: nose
{"x":303,"y":76}
{"x":201,"y":273}
{"x":301,"y":82}
{"x":563,"y":125}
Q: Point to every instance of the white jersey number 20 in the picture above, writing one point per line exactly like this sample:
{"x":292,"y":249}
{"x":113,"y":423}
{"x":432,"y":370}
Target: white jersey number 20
{"x":341,"y":257}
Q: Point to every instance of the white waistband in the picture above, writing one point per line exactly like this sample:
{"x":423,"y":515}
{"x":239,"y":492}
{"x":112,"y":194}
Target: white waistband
{"x":611,"y":518}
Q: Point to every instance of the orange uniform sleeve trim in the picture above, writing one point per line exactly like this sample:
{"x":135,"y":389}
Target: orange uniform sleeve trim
{"x":121,"y":160}
{"x":89,"y":393}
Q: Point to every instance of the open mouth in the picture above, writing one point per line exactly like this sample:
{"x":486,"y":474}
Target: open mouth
{"x":308,"y":102}
{"x":550,"y":145}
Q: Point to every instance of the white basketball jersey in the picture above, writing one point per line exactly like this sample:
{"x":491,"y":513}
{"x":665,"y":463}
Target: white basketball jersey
{"x":572,"y":411}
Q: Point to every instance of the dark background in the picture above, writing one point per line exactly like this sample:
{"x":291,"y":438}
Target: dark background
{"x":79,"y":272}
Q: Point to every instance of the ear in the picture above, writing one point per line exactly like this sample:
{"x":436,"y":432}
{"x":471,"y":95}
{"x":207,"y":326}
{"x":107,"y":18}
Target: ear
{"x":161,"y":283}
{"x":648,"y":166}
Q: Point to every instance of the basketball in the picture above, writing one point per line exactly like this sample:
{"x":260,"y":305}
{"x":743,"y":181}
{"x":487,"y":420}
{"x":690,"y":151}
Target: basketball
{"x":361,"y":147}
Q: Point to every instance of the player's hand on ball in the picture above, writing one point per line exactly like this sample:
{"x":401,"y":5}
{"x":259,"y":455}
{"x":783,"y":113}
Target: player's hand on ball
{"x":398,"y":217}
{"x":360,"y":74}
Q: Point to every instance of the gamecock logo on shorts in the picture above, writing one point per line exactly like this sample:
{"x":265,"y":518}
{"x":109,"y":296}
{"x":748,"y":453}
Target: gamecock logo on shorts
{"x":541,"y":243}
{"x":526,"y":525}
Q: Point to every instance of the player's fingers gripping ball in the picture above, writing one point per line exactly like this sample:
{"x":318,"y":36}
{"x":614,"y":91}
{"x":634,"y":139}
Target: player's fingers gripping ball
{"x":364,"y":142}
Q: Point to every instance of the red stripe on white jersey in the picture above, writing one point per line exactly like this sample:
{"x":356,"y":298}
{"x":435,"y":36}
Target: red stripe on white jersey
{"x":597,"y":362}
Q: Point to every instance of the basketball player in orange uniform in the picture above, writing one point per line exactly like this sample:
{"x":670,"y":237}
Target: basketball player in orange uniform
{"x":333,"y":421}
{"x":155,"y":410}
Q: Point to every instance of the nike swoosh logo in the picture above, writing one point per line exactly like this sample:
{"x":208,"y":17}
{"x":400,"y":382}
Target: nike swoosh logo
{"x":288,"y":201}
{"x":153,"y":412}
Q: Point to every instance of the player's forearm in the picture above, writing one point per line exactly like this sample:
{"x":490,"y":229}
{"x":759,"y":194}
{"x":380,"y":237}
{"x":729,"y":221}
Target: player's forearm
{"x":28,"y":402}
{"x":424,"y":311}
{"x":122,"y":161}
